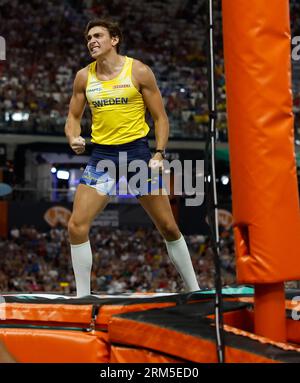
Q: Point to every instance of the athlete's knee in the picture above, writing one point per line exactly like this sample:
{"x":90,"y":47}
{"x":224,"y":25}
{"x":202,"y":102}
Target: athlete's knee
{"x":77,"y":229}
{"x":169,"y":230}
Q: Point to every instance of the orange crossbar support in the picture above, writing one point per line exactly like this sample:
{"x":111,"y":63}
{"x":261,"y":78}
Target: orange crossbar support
{"x":257,"y":53}
{"x":269,"y":312}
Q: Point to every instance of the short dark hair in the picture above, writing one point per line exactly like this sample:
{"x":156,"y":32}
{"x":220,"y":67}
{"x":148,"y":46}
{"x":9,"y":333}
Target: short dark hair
{"x":112,"y":27}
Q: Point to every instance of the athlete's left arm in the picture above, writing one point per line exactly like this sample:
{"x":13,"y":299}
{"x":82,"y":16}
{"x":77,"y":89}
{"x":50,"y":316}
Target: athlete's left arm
{"x":147,"y":85}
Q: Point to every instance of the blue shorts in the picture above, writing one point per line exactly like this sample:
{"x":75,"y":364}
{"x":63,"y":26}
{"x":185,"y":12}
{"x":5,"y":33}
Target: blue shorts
{"x":122,"y":170}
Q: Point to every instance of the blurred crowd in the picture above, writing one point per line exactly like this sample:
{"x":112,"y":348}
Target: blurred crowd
{"x":47,"y":47}
{"x":123,"y":261}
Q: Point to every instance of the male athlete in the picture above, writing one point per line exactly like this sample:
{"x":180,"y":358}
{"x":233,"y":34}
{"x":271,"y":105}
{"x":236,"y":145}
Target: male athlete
{"x":118,"y":89}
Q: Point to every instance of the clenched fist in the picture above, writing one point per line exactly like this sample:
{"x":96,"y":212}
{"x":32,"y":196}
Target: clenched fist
{"x":156,"y":162}
{"x":77,"y":144}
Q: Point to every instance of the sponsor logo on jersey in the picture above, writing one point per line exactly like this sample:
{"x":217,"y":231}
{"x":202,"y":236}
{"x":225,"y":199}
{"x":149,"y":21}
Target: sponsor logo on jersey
{"x":91,"y":90}
{"x":121,"y":86}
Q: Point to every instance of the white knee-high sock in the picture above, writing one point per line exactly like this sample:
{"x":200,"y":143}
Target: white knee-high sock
{"x":82,"y":261}
{"x":180,"y":256}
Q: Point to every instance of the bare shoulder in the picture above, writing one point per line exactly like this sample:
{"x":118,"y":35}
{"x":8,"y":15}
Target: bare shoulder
{"x":139,"y":67}
{"x":81,"y":78}
{"x":142,"y":72}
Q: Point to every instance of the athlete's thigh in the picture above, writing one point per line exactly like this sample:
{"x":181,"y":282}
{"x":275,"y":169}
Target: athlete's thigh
{"x":158,"y":208}
{"x":88,"y":203}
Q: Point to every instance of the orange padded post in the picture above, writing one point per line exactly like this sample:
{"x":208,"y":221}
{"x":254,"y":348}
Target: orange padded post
{"x":263,"y":168}
{"x":269,"y":306}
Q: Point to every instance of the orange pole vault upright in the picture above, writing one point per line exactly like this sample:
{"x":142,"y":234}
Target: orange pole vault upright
{"x":257,"y":59}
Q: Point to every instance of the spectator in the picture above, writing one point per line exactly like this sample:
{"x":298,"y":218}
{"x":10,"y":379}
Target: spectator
{"x":37,"y":79}
{"x":123,"y":262}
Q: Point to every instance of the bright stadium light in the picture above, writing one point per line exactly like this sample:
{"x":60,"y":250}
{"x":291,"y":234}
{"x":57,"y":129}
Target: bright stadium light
{"x":63,"y":175}
{"x":225,"y":180}
{"x":20,"y":116}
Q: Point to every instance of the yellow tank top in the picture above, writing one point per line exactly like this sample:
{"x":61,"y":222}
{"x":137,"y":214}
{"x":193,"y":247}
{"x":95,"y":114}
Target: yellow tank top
{"x":118,"y":109}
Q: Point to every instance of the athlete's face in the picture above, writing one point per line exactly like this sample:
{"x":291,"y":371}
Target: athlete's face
{"x":100,"y":42}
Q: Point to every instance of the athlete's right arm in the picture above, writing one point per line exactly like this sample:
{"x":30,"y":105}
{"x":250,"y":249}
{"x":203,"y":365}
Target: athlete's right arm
{"x":76,"y":109}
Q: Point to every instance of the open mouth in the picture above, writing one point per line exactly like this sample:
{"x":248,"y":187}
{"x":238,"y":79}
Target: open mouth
{"x":94,"y":49}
